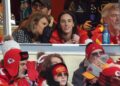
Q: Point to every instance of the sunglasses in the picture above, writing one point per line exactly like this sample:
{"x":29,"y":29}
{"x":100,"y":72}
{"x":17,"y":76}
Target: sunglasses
{"x":62,"y":74}
{"x":97,"y":54}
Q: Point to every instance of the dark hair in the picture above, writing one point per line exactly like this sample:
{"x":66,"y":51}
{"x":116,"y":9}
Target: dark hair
{"x":47,"y":63}
{"x":74,"y":21}
{"x":50,"y":77}
{"x":44,"y":3}
{"x":40,"y":54}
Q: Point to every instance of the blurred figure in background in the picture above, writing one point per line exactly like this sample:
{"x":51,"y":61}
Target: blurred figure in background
{"x":66,"y":30}
{"x":25,"y":9}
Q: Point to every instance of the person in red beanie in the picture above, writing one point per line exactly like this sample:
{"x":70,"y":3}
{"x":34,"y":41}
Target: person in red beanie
{"x":92,"y":52}
{"x":14,"y":66}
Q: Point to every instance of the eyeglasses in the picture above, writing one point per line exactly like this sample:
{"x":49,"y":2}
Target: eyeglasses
{"x":97,"y":54}
{"x":62,"y":74}
{"x":115,"y":15}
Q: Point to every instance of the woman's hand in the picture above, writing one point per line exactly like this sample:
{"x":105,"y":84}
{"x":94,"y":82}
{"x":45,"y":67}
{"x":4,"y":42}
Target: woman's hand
{"x":75,"y":39}
{"x":86,"y":25}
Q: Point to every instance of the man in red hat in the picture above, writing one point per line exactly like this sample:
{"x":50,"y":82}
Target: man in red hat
{"x":14,"y":67}
{"x":92,"y":52}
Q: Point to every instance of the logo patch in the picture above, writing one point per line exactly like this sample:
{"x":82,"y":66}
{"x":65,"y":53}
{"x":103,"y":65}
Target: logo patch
{"x":10,"y":61}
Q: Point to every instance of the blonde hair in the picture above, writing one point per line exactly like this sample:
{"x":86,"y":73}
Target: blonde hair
{"x":108,"y":7}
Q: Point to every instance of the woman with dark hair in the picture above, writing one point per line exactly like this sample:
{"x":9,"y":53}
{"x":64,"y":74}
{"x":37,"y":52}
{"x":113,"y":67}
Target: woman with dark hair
{"x":57,"y":75}
{"x":49,"y":60}
{"x":66,"y":30}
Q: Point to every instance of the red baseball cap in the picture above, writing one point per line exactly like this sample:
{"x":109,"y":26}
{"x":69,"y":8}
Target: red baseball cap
{"x":11,"y":61}
{"x":91,"y":47}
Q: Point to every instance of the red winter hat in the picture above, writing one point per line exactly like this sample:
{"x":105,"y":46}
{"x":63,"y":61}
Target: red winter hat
{"x":11,"y":61}
{"x":91,"y":47}
{"x":112,"y":71}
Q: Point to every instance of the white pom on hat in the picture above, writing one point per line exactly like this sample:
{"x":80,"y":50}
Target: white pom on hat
{"x":87,"y":41}
{"x":10,"y":44}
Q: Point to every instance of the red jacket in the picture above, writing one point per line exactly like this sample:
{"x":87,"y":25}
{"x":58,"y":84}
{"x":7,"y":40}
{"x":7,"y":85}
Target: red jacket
{"x":56,"y":39}
{"x":5,"y":79}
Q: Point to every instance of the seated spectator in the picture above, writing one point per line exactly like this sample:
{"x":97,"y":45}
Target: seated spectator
{"x":110,"y":15}
{"x":36,"y":30}
{"x":49,"y":60}
{"x":66,"y":30}
{"x":14,"y":68}
{"x":92,"y":52}
{"x":57,"y":75}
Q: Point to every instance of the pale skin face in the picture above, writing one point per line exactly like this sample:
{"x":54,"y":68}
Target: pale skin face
{"x":95,"y":54}
{"x":66,"y":23}
{"x":113,"y":19}
{"x":43,"y":22}
{"x":46,"y":11}
{"x":55,"y":60}
{"x":22,"y":68}
{"x":39,"y":8}
{"x":61,"y":78}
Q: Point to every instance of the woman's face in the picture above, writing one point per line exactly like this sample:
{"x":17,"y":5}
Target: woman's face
{"x":43,"y":22}
{"x":61,"y":78}
{"x":66,"y":23}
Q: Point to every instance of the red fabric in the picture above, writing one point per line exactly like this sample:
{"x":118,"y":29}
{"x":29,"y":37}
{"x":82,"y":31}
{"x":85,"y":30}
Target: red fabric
{"x":110,"y":60}
{"x":3,"y":82}
{"x":57,"y":7}
{"x":83,"y":35}
{"x":91,"y":48}
{"x":40,"y":81}
{"x":59,"y":69}
{"x":32,"y":72}
{"x":11,"y":61}
{"x":56,"y":39}
{"x":110,"y":71}
{"x":22,"y":82}
{"x":4,"y":76}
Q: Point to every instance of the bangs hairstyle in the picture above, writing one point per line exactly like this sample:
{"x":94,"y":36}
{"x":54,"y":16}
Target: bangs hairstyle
{"x":108,"y":7}
{"x":34,"y":19}
{"x":74,"y":21}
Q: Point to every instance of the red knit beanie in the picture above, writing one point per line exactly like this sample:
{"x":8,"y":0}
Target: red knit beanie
{"x":91,"y":47}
